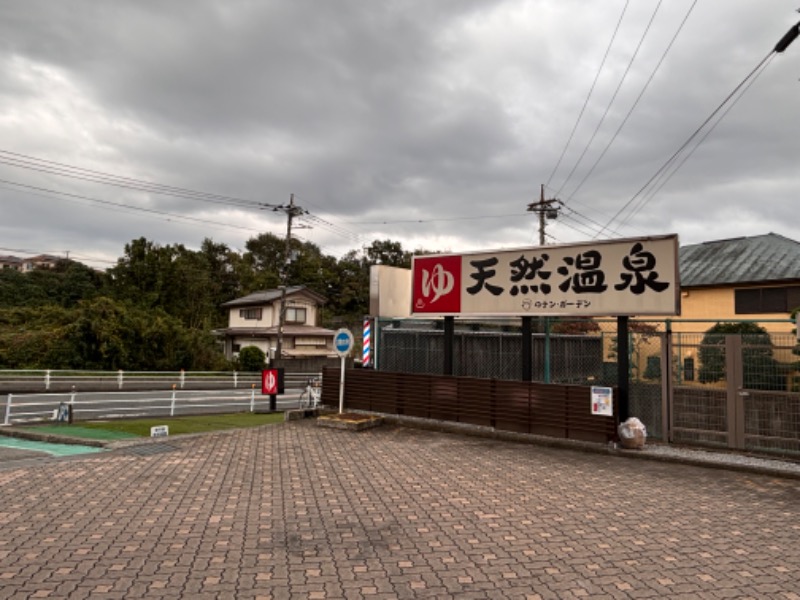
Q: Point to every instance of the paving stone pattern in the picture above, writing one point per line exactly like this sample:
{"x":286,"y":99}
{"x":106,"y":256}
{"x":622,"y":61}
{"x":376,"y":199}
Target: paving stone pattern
{"x":298,"y":511}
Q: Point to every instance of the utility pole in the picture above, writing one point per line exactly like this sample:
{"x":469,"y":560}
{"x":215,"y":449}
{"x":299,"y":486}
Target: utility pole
{"x":547,"y":209}
{"x":291,"y":211}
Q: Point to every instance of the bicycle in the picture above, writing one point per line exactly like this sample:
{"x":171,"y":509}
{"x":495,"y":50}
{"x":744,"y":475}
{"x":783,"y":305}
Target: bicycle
{"x":311,"y":395}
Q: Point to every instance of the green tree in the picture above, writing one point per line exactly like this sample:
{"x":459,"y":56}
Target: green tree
{"x":760,"y":369}
{"x":251,"y":358}
{"x":65,"y":285}
{"x":103,"y":334}
{"x":388,"y":252}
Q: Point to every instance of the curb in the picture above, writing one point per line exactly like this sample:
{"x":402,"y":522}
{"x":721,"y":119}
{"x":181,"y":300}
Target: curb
{"x":657,"y":452}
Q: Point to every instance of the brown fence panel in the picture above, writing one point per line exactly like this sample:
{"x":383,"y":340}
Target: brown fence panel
{"x":413,"y":395}
{"x":548,"y":410}
{"x":562,"y":411}
{"x":514,"y":400}
{"x":476,"y":401}
{"x":581,"y":423}
{"x":443,"y":404}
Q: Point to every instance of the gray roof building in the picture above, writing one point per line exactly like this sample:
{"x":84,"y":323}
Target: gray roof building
{"x":268,"y":296}
{"x":758,"y":259}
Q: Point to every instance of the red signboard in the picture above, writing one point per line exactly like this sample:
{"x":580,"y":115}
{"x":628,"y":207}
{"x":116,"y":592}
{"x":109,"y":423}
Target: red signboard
{"x":269,"y":382}
{"x":437,"y":284}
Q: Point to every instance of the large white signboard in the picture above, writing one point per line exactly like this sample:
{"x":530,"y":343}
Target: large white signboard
{"x":633,"y":277}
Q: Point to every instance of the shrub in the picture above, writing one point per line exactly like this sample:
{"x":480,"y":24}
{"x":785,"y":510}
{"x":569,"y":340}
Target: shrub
{"x":251,"y":358}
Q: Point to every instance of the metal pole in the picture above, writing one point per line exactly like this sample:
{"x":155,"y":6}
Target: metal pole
{"x":623,"y":367}
{"x":172,"y":404}
{"x":449,"y":342}
{"x":376,"y":343}
{"x":547,"y":350}
{"x":341,"y":388}
{"x":8,"y":411}
{"x":527,"y":348}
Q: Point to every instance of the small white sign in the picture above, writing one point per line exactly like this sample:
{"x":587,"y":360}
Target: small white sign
{"x":159,"y":431}
{"x":602,"y":401}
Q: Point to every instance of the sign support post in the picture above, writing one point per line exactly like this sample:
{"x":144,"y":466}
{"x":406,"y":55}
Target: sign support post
{"x":623,"y":367}
{"x":449,"y":342}
{"x":343,"y":344}
{"x":527,"y":348}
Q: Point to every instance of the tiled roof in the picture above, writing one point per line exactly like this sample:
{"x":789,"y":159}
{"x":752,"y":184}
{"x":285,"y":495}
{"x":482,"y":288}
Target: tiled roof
{"x":758,"y":259}
{"x":267,"y":296}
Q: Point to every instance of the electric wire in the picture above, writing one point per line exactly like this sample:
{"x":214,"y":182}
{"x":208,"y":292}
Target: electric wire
{"x":613,"y":97}
{"x":664,"y":179}
{"x":635,"y":103}
{"x":435,"y":220}
{"x":24,"y":161}
{"x":589,"y":95}
{"x":73,"y":255}
{"x":116,"y":206}
{"x":697,"y":131}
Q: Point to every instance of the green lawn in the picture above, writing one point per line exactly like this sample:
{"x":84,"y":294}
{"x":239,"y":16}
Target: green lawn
{"x":119,"y":429}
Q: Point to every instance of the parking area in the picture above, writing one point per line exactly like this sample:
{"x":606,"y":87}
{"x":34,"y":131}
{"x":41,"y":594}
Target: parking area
{"x":297,"y":511}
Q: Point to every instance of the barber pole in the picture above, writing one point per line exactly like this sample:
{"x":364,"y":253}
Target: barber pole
{"x":365,"y":354}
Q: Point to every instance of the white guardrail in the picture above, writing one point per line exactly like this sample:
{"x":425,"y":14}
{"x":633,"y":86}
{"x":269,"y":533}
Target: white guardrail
{"x":90,"y":395}
{"x":29,"y":408}
{"x":50,"y":379}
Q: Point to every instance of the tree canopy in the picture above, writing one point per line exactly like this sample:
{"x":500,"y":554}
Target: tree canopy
{"x":156,"y":307}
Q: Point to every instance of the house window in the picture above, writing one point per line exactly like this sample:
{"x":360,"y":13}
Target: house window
{"x":236,"y":347}
{"x":295,"y":315}
{"x":250,"y":314}
{"x":752,"y":301}
{"x":688,"y":369}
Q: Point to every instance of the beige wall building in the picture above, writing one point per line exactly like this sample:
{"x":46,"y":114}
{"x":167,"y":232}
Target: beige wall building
{"x":253,"y":320}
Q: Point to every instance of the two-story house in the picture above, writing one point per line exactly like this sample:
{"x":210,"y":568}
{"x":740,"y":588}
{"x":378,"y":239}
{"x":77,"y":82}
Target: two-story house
{"x":253,"y":320}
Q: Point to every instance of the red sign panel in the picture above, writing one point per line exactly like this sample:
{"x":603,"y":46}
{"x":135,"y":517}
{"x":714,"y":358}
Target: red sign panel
{"x":437,"y":284}
{"x":269,"y":381}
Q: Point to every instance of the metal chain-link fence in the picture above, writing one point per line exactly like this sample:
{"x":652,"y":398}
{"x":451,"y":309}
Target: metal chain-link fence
{"x":694,"y":402}
{"x":565,"y":351}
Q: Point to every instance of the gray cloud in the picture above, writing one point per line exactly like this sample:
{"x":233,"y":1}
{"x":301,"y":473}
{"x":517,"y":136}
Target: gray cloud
{"x":387,"y":112}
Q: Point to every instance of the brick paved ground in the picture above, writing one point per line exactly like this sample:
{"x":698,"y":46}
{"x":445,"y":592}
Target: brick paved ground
{"x":296,"y":511}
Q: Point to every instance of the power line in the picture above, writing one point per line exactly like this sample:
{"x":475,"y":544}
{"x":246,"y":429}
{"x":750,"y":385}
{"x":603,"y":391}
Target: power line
{"x":589,"y":95}
{"x":447,"y":219}
{"x":787,"y":39}
{"x":116,"y":205}
{"x":657,"y":186}
{"x":54,"y":252}
{"x":24,"y":161}
{"x":635,"y":103}
{"x":613,"y":97}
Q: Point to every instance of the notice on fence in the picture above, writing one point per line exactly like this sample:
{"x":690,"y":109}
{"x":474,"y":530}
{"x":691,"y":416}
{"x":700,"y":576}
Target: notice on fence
{"x":159,"y":431}
{"x":602,"y":401}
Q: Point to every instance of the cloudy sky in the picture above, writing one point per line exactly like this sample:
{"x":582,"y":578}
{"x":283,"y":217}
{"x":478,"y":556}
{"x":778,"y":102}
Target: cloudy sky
{"x":431,"y":123}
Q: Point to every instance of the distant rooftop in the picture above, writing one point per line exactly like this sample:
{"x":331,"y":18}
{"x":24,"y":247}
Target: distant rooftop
{"x":757,"y":259}
{"x":267,"y":296}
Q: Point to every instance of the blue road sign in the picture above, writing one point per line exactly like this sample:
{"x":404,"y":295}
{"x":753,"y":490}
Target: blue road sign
{"x":343,"y":342}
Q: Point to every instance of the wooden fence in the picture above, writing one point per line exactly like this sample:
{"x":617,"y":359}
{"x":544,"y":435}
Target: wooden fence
{"x":561,"y":411}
